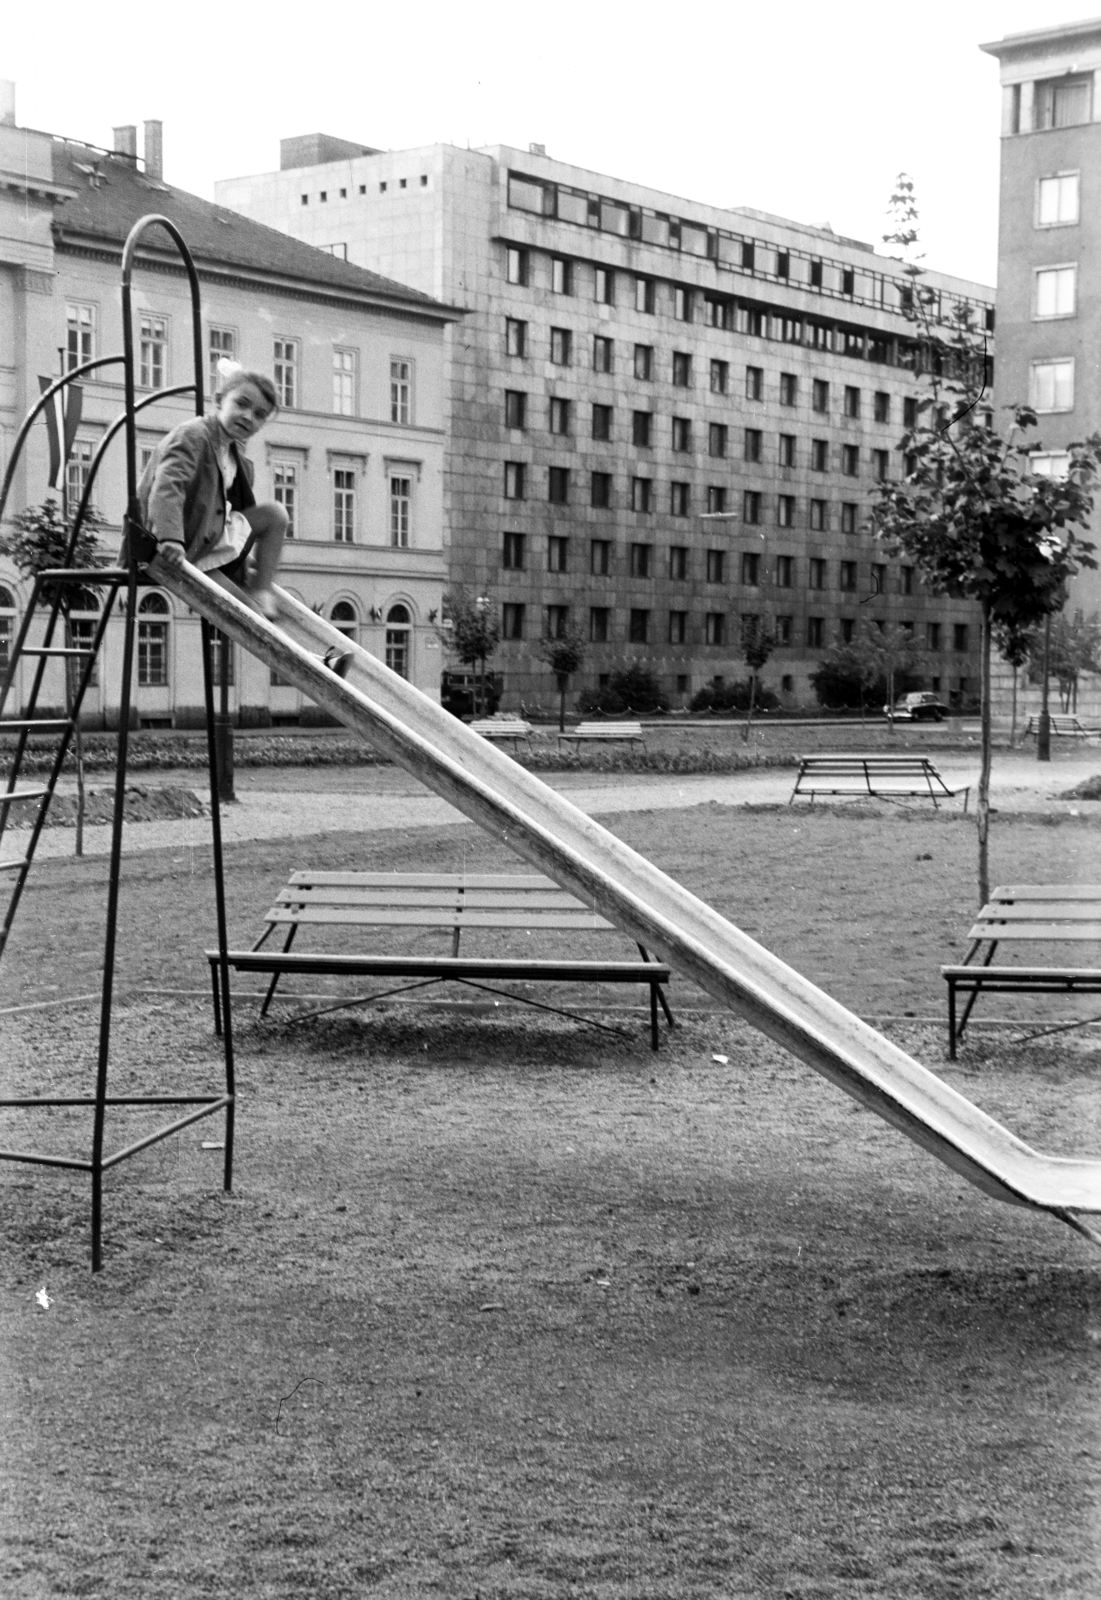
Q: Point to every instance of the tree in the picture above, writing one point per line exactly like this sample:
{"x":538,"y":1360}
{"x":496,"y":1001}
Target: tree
{"x":874,"y":664}
{"x":471,"y":631}
{"x":564,"y":653}
{"x":39,"y":542}
{"x":1014,"y":645}
{"x":758,"y":643}
{"x":1073,"y":648}
{"x":970,"y":513}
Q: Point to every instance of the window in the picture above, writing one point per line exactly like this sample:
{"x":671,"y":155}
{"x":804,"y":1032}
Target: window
{"x":751,"y":568}
{"x":720,"y":377}
{"x":559,"y":416}
{"x":401,"y":508}
{"x":714,"y":628}
{"x":344,"y":383}
{"x":7,"y":626}
{"x":344,"y":504}
{"x":789,"y":388}
{"x":850,"y":460}
{"x":847,"y":630}
{"x":852,"y":401}
{"x":641,"y":428}
{"x":516,"y":337}
{"x":782,"y":634}
{"x":561,"y":275}
{"x":560,"y":343}
{"x":682,"y":304}
{"x":600,"y":490}
{"x":644,"y":361}
{"x":152,"y":352}
{"x":515,"y":480}
{"x":513,"y":552}
{"x":641,"y":560}
{"x":848,"y":517}
{"x":910,"y":412}
{"x":816,"y":628}
{"x":678,"y":627}
{"x":785,"y":510}
{"x":284,"y":355}
{"x":785,"y":572}
{"x":516,"y":266}
{"x":1049,"y":463}
{"x":816,"y":569}
{"x":682,"y":370}
{"x":959,"y":637}
{"x":754,"y":383}
{"x":682,"y":434}
{"x":819,"y":455}
{"x":932,"y":636}
{"x":752,"y":444}
{"x":716,"y":499}
{"x":344,"y":618}
{"x":80,"y":335}
{"x":678,"y":499}
{"x":644,"y":294}
{"x":717,"y":435}
{"x":82,"y":629}
{"x":881,"y":465}
{"x":605,"y":286}
{"x":153,"y":614}
{"x":602,"y":422}
{"x":1056,"y":291}
{"x":847,"y":575}
{"x":397,"y":640}
{"x":751,"y":506}
{"x":600,"y":557}
{"x":678,"y":562}
{"x":598,"y":624}
{"x":512,"y":620}
{"x":642,"y":494}
{"x":718,"y":313}
{"x":1057,"y":200}
{"x":602,"y":353}
{"x":638,"y":628}
{"x":401,"y":390}
{"x":77,"y":468}
{"x":820,"y":395}
{"x":284,"y":479}
{"x":558,"y":485}
{"x":1051,"y":385}
{"x":516,"y":408}
{"x":558,"y":554}
{"x":787,"y":449}
{"x":906,"y":580}
{"x":882,"y":406}
{"x":716,"y":566}
{"x":221,"y":346}
{"x":1063,"y":102}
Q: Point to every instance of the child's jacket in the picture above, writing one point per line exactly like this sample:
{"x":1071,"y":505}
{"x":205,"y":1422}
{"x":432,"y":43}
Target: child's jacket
{"x":181,"y":493}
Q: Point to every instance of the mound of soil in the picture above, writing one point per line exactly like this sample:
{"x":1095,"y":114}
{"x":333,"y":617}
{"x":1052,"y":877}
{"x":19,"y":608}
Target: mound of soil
{"x":144,"y":803}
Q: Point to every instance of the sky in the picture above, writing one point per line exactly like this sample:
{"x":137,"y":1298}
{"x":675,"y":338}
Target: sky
{"x":808,"y":110}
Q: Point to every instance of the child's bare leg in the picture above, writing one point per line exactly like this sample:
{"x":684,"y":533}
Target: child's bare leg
{"x":269,"y":526}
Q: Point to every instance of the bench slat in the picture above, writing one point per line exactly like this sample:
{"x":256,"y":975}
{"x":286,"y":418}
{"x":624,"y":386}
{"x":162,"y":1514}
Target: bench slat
{"x":579,"y":921}
{"x":1052,"y":931}
{"x":450,"y":966}
{"x":519,"y":882}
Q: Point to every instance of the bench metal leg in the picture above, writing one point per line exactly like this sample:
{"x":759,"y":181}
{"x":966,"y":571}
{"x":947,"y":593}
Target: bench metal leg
{"x":270,"y":995}
{"x":645,"y":954}
{"x":951,"y":1019}
{"x":217,"y":992}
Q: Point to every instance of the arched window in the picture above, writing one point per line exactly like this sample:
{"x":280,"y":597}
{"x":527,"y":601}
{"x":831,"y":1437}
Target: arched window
{"x":83,"y":616}
{"x":343,"y":616}
{"x":7,"y":626}
{"x":398,"y":623}
{"x":153,"y":614}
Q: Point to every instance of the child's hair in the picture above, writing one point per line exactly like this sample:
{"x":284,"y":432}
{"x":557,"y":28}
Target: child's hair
{"x":233,"y":378}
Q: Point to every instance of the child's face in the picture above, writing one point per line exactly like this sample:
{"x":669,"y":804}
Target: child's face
{"x":243,"y":411}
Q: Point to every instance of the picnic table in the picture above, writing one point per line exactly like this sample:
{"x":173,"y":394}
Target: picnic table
{"x":454,"y":904}
{"x":882,"y":775}
{"x":1044,"y":914}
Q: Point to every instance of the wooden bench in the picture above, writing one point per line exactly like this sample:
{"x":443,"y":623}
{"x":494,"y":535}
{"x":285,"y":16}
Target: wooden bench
{"x":1036,"y":914}
{"x":524,"y":904}
{"x":603,"y":731}
{"x":884,"y":776}
{"x":1062,"y":727}
{"x":502,"y":728}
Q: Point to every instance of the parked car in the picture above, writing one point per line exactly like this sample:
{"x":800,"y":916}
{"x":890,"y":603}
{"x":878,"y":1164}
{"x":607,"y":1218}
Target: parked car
{"x":459,"y":691}
{"x":919,"y":706}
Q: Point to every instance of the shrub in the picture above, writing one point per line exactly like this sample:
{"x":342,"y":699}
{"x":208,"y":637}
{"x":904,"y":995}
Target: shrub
{"x":732,"y":697}
{"x":635,"y":689}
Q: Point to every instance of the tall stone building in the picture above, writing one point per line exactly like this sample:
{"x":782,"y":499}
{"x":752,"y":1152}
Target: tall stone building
{"x":664,"y":417}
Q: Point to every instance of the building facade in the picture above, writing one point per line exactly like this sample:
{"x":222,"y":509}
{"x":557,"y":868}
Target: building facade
{"x":355,"y":452}
{"x":664,"y":417}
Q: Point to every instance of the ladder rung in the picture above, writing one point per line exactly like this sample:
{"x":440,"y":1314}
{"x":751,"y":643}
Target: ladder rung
{"x":36,"y":724}
{"x":85,"y":575}
{"x":53,"y":650}
{"x":13,"y":866}
{"x":22,"y":794}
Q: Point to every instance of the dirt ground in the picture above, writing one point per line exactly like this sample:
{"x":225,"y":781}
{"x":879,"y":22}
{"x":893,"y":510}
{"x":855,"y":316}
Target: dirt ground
{"x":500,"y":1307}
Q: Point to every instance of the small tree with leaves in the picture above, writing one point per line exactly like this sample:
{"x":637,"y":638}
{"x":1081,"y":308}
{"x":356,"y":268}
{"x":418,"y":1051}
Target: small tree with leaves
{"x":39,"y":542}
{"x":564,"y":654}
{"x":758,"y":643}
{"x":471,"y":632}
{"x":1074,"y":647}
{"x":1015,"y":646}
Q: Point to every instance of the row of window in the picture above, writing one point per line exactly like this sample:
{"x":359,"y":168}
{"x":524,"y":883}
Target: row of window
{"x":384,"y":185}
{"x":643,"y":627}
{"x":642,"y":496}
{"x":222,"y":344}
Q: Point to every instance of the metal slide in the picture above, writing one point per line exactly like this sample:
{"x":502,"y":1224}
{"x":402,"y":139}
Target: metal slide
{"x":540,"y":825}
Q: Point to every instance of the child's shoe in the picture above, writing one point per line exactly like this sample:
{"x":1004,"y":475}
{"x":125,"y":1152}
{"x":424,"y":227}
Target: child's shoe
{"x":338,"y":660}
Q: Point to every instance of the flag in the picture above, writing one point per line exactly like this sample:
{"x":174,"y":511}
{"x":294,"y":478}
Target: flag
{"x":62,"y":421}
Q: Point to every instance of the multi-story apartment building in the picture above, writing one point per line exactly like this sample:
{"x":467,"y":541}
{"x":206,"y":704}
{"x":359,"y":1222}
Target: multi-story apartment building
{"x":355,"y":452}
{"x":664,"y":417}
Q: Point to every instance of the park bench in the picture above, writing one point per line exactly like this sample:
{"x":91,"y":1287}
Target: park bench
{"x":884,"y":776}
{"x":602,"y":732}
{"x":1031,"y":914}
{"x":433,"y":902}
{"x":514,"y":728}
{"x":1062,"y":727}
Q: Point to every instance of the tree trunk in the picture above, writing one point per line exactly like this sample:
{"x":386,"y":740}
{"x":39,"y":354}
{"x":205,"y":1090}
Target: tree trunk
{"x":891,"y":698}
{"x":1043,"y":735}
{"x":1013,"y":714}
{"x":563,"y":680}
{"x":752,"y":702}
{"x":983,"y":807}
{"x":71,"y":670}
